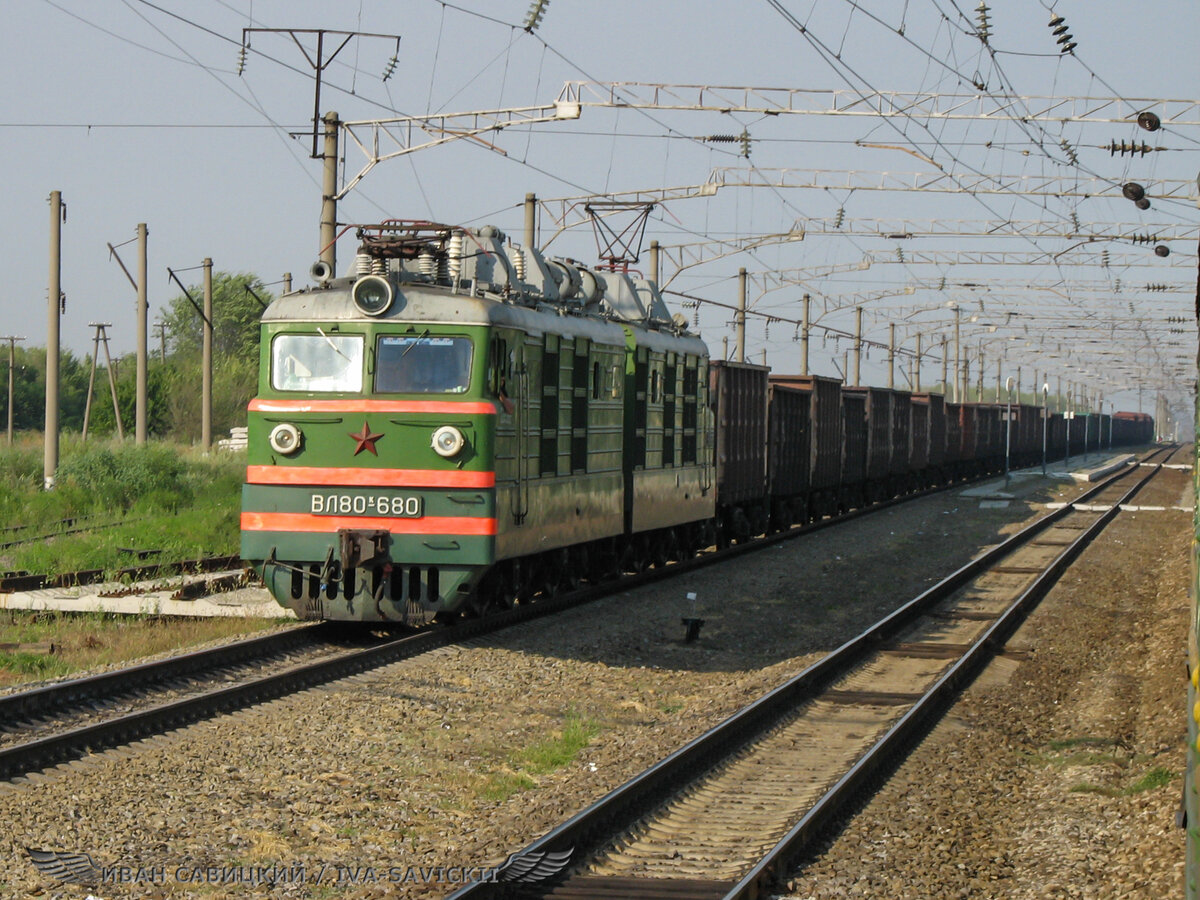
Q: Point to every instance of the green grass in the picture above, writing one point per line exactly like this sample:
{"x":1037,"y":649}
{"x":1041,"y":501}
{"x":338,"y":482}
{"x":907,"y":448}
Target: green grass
{"x":560,"y":749}
{"x":87,"y":640}
{"x":172,"y":498}
{"x":1155,"y":778}
{"x":540,"y":758}
{"x":35,"y":666}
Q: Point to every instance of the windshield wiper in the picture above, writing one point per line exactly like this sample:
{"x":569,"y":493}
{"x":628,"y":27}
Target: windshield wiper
{"x":333,"y":345}
{"x":417,"y":340}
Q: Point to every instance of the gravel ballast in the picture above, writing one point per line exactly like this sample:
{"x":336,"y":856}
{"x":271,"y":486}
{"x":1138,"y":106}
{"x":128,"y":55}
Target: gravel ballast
{"x":438,"y":761}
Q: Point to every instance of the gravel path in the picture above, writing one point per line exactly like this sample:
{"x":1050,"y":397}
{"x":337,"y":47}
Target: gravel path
{"x":441,"y":760}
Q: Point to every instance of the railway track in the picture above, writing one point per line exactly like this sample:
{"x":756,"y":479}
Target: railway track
{"x":63,"y":721}
{"x":727,"y":815}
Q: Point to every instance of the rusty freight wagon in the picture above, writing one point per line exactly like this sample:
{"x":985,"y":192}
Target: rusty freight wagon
{"x":825,"y":439}
{"x":738,"y":393}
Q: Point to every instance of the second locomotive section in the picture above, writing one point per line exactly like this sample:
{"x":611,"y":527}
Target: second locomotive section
{"x":463,"y":424}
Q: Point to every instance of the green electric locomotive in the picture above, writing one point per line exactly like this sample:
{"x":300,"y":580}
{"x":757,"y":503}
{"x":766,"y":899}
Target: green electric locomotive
{"x":463,"y":424}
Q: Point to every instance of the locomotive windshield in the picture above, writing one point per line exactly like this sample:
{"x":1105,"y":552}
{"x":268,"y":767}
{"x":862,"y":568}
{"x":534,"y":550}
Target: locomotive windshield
{"x":423,"y":365}
{"x":317,"y":362}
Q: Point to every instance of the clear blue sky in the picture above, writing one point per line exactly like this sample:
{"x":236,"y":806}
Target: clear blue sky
{"x":135,"y":111}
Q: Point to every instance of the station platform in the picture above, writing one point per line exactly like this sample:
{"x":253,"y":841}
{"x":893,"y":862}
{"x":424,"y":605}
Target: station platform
{"x":155,"y":598}
{"x":997,"y":492}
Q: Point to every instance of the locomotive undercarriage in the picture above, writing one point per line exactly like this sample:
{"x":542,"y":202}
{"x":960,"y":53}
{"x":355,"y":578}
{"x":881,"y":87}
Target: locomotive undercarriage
{"x":367,"y":586}
{"x":525,"y":579}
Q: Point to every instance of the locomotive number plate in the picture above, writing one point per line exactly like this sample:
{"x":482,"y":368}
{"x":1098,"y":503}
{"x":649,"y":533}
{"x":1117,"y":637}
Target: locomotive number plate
{"x":397,"y":506}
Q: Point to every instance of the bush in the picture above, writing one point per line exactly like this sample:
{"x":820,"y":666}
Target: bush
{"x":117,"y":476}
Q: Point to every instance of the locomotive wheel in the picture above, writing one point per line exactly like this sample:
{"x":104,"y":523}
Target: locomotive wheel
{"x":637,"y":556}
{"x":571,"y":563}
{"x":605,"y":561}
{"x":663,"y":547}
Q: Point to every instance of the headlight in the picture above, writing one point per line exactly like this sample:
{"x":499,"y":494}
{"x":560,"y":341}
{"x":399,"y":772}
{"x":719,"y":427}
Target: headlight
{"x":373,"y":294}
{"x":448,"y":441}
{"x":285,"y":439}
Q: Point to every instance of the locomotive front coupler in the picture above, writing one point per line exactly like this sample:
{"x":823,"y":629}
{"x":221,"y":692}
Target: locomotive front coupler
{"x":361,"y":546}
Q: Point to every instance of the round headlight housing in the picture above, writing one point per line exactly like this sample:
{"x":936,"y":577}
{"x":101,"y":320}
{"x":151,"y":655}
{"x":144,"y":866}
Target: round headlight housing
{"x":285,"y":439}
{"x":448,"y":441}
{"x":373,"y":295}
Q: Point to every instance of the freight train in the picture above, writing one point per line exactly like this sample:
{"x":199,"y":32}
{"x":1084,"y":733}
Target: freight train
{"x":462,"y":424}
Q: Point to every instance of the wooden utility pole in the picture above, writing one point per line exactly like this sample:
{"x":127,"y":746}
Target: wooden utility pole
{"x":12,"y":356}
{"x":102,"y":336}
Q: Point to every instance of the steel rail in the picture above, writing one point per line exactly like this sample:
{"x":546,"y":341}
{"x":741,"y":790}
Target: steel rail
{"x":51,"y":750}
{"x":625,"y":804}
{"x":47,"y":698}
{"x":891,"y":748}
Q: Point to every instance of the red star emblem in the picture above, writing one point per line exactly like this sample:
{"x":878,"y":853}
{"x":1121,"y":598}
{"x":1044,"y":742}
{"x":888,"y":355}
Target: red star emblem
{"x":366,"y":440}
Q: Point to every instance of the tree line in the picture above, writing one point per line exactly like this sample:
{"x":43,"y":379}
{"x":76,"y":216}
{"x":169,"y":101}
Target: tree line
{"x":173,"y":373}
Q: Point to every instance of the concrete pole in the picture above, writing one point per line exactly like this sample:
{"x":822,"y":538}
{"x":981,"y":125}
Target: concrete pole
{"x":206,"y":377}
{"x":287,"y":282}
{"x":957,"y":357}
{"x":654,"y":254}
{"x":140,"y":417}
{"x":858,"y":346}
{"x":740,"y":318}
{"x":999,"y":376}
{"x":945,"y":365}
{"x":54,"y":300}
{"x":804,"y":332}
{"x":530,"y":209}
{"x":328,"y":194}
{"x":1019,"y":384}
{"x":979,"y":388}
{"x":917,"y":367}
{"x":892,"y":356}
